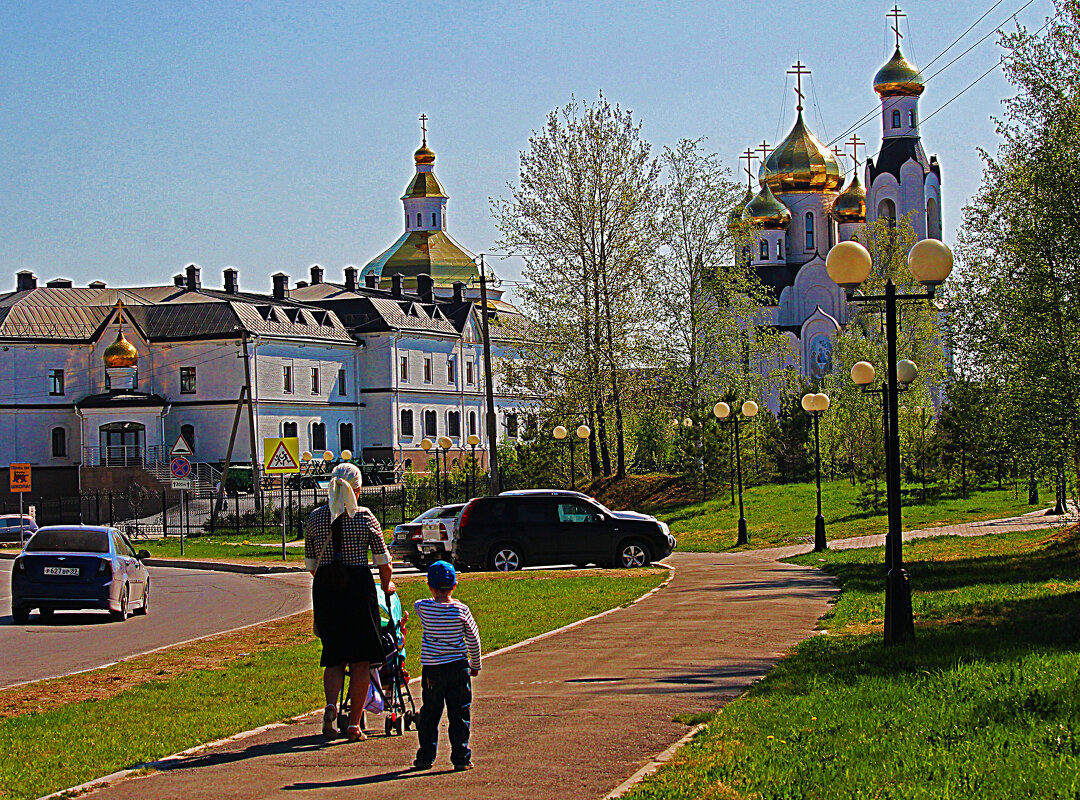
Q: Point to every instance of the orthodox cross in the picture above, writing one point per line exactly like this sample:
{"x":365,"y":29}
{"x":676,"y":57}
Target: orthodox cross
{"x":749,"y":158}
{"x":896,"y":15}
{"x":764,"y":148}
{"x":798,"y":70}
{"x":838,"y":152}
{"x":423,"y":126}
{"x":120,"y":314}
{"x":855,"y":143}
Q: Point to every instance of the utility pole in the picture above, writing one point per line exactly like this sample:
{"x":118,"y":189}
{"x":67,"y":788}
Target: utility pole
{"x":489,"y":386}
{"x":256,"y":483}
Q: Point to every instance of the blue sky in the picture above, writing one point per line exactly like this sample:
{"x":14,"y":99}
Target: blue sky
{"x":138,"y":137}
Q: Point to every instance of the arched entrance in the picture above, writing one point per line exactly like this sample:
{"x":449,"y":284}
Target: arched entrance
{"x":122,"y":444}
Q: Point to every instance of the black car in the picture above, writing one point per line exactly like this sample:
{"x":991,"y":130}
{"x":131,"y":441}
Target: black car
{"x":538,"y":527}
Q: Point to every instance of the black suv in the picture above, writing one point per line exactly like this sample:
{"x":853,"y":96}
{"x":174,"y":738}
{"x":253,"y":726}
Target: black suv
{"x":538,"y":527}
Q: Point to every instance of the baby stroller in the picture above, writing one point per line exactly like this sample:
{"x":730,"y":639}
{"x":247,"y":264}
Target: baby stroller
{"x":389,"y":682}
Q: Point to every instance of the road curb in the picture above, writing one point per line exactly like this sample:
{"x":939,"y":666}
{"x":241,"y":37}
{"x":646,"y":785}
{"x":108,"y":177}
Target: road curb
{"x":653,"y":765}
{"x":225,"y":566}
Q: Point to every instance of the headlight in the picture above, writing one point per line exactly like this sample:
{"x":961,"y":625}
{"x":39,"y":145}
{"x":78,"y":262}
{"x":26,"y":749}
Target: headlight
{"x":664,"y":529}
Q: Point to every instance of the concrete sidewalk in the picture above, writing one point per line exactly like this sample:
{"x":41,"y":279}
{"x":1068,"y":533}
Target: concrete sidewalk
{"x":568,"y":716}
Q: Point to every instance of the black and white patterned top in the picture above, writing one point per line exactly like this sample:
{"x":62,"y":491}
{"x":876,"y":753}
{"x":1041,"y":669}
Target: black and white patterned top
{"x":359,"y":534}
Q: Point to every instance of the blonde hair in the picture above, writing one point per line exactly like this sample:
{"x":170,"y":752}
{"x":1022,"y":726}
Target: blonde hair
{"x":341,"y":493}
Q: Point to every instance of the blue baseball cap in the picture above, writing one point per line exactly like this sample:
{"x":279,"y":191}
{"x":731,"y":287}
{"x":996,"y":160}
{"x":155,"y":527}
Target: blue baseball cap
{"x":441,"y":575}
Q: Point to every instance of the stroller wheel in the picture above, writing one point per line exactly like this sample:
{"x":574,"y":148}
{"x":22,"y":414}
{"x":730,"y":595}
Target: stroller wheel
{"x":388,"y":726}
{"x":399,"y":724}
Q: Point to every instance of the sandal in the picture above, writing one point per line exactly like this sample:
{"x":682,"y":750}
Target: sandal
{"x":354,"y":734}
{"x":329,"y":721}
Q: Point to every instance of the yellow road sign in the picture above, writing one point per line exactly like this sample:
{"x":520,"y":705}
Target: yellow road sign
{"x":281,"y":456}
{"x":20,"y":477}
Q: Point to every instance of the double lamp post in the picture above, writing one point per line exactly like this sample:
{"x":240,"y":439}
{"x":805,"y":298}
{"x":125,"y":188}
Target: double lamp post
{"x":560,"y":433}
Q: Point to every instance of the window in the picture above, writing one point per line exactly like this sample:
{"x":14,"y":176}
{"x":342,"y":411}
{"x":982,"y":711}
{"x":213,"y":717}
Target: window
{"x":451,"y":370}
{"x":427,"y":369}
{"x":342,"y":384}
{"x":431,"y":421}
{"x":933,"y":219}
{"x":406,"y":422}
{"x":764,"y":250}
{"x":511,"y":426}
{"x":887,"y":210}
{"x":314,"y":380}
{"x":288,"y":430}
{"x":318,"y":436}
{"x":286,"y":379}
{"x":469,"y":373}
{"x":403,"y":369}
{"x":419,"y":220}
{"x":453,"y":423}
{"x":345,"y":437}
{"x":59,"y":443}
{"x":896,"y":118}
{"x":911,"y":117}
{"x":56,"y":382}
{"x":779,"y":249}
{"x":433,"y":222}
{"x":809,"y":231}
{"x":577,"y":513}
{"x":187,"y":380}
{"x":472,"y":423}
{"x":188,"y":432}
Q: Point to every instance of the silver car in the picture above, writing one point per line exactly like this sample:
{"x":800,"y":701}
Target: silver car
{"x":76,"y":567}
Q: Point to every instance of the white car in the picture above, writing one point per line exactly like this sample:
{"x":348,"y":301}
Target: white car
{"x":437,"y":534}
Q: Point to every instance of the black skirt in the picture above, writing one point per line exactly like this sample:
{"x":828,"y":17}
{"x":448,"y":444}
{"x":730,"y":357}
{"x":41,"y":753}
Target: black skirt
{"x":347,"y":615}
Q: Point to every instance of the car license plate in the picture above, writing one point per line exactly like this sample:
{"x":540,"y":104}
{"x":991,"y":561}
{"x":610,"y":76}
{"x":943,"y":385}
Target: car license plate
{"x":61,"y":570}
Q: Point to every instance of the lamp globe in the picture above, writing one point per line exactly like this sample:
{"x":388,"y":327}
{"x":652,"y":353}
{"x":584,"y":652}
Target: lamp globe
{"x":473,"y":440}
{"x":328,"y":455}
{"x":862,"y":373}
{"x":848,"y":264}
{"x":807,"y":401}
{"x":749,"y":408}
{"x":305,"y":456}
{"x":346,"y":455}
{"x":584,"y":431}
{"x":906,"y":371}
{"x":930,"y":262}
{"x":559,"y":432}
{"x":445,"y":442}
{"x":721,"y":410}
{"x":426,"y":443}
{"x":820,"y":402}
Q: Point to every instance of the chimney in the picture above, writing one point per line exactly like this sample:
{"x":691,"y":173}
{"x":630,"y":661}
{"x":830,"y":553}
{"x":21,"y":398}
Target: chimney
{"x":316,"y":274}
{"x":59,"y":283}
{"x":395,"y":286}
{"x":425,"y":287}
{"x":281,"y":286}
{"x":232,"y":282}
{"x":178,"y":280}
{"x":350,"y":279}
{"x":25,"y":281}
{"x":193,"y":282}
{"x":96,"y":285}
{"x":371,"y":280}
{"x":301,"y":284}
{"x":459,"y":292}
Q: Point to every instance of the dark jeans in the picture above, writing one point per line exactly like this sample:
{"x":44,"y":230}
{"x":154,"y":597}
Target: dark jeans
{"x":451,"y":685}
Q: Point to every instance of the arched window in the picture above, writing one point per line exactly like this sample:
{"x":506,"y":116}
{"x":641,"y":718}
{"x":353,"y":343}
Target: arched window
{"x":911,"y":117}
{"x":887,"y":210}
{"x":433,"y":222}
{"x":933,"y":219}
{"x":453,"y":424}
{"x":318,"y":436}
{"x":431,"y":423}
{"x":779,"y":249}
{"x":764,"y":250}
{"x":288,"y":430}
{"x":896,"y":118}
{"x":345,"y":437}
{"x":406,"y":423}
{"x":188,"y":432}
{"x":472,"y":423}
{"x":809,"y":230}
{"x":512,"y":426}
{"x":408,"y":465}
{"x":59,"y":443}
{"x":420,"y":218}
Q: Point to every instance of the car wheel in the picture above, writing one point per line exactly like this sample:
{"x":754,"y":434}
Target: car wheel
{"x":634,"y":554}
{"x":122,"y":614}
{"x":46,"y":614}
{"x":20,"y":615}
{"x":145,"y":607}
{"x":505,"y":558}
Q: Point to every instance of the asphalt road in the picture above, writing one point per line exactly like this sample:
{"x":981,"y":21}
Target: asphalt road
{"x":184,"y":604}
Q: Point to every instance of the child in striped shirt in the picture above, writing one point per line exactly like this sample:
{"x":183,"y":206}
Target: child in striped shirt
{"x":450,"y":657}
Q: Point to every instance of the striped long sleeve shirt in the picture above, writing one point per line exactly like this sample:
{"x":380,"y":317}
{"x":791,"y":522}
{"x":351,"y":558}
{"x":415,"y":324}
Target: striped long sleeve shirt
{"x":450,"y":633}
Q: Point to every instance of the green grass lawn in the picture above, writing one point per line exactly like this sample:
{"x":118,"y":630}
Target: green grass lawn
{"x":253,"y":548}
{"x":65,"y":746}
{"x":780,"y":514}
{"x":985,"y":704}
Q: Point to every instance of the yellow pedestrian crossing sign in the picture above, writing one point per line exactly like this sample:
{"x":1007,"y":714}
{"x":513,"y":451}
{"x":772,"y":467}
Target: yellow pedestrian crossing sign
{"x":281,"y":456}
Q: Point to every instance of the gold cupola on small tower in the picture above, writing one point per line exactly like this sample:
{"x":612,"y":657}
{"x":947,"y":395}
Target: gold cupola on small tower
{"x":121,"y":353}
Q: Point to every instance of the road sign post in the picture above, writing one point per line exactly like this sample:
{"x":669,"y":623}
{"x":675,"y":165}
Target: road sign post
{"x":281,"y":456}
{"x":180,"y":468}
{"x":20,"y":484}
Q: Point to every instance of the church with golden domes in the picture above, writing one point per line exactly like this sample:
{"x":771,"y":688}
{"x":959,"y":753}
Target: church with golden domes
{"x":803,"y":207}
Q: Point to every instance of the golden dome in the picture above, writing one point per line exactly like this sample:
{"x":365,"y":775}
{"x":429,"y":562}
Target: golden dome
{"x":768,"y":212}
{"x":850,"y":206}
{"x":801,"y":163}
{"x":424,"y":155}
{"x":899,"y":78}
{"x":121,"y":353}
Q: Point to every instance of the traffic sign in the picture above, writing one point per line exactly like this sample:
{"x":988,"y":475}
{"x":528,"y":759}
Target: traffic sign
{"x":20,"y":477}
{"x":281,"y":456}
{"x":180,"y":467}
{"x":181,"y":447}
{"x":182,"y":483}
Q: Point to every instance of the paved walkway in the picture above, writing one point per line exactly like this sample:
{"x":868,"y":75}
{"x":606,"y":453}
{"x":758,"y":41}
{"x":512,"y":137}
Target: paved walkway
{"x":567,"y":716}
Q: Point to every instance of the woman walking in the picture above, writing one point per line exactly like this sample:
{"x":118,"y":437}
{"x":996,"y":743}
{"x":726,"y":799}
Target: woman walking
{"x":347,"y":620}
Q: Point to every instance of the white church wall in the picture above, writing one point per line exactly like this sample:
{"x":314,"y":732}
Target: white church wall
{"x":912,"y":203}
{"x":905,"y":105}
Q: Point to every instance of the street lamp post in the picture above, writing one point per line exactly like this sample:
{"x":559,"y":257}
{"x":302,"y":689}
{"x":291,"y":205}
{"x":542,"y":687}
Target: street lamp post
{"x":849,"y":264}
{"x":722,"y":411}
{"x":445,"y":442}
{"x":815,"y":404}
{"x":427,"y":446}
{"x":473,"y":441}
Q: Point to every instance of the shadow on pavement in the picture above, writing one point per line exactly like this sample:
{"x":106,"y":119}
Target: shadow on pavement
{"x":302,"y":744}
{"x":365,"y":780}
